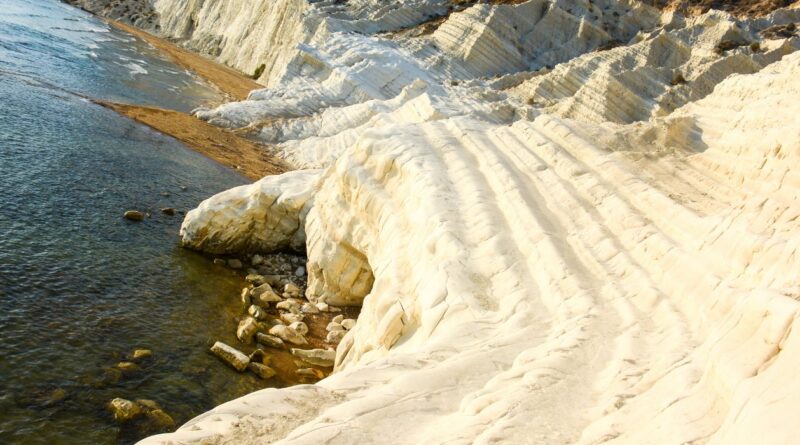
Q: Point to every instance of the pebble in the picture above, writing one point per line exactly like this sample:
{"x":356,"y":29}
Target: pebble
{"x":290,"y":318}
{"x":309,"y":308}
{"x":124,"y":410}
{"x":335,"y":336}
{"x":348,"y":323}
{"x":261,"y":370}
{"x":257,"y":312}
{"x":319,"y":357}
{"x":333,"y":326}
{"x":300,"y":327}
{"x":235,"y":264}
{"x":289,"y":305}
{"x":310,"y":372}
{"x":288,"y":334}
{"x":301,"y":271}
{"x":133,"y":215}
{"x":231,"y":355}
{"x":246,"y":330}
{"x":269,"y":340}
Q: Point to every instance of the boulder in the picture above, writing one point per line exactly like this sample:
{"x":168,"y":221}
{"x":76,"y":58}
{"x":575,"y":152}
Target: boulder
{"x":291,"y":318}
{"x":269,"y":340}
{"x":323,"y":307}
{"x":231,"y":355}
{"x":133,"y":215}
{"x":290,"y":305}
{"x":261,"y":370}
{"x":124,"y":410}
{"x":247,"y":329}
{"x":292,"y":289}
{"x":319,"y":357}
{"x":259,"y":356}
{"x":348,"y":323}
{"x":338,"y":319}
{"x":288,"y":334}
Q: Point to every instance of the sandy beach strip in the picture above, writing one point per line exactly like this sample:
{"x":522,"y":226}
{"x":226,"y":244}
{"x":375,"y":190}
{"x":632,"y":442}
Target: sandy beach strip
{"x":231,"y":82}
{"x":245,"y":156}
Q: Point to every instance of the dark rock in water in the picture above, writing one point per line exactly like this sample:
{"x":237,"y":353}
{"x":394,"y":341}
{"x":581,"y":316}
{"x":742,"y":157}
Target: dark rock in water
{"x":148,"y":404}
{"x":259,"y":356}
{"x":168,"y":211}
{"x":160,"y":419}
{"x":235,"y":264}
{"x":219,"y":261}
{"x":56,"y":396}
{"x":261,"y":370}
{"x":133,"y":215}
{"x":270,"y":340}
{"x":124,"y":410}
{"x":140,"y":354}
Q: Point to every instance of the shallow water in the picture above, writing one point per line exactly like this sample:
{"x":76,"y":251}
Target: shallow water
{"x":80,"y":287}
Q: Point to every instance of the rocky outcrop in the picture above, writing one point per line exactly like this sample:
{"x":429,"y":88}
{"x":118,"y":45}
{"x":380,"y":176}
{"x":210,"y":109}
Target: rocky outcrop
{"x":565,"y":221}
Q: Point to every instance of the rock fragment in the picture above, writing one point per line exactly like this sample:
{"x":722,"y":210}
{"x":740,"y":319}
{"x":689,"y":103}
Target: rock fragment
{"x":348,"y":323}
{"x":261,"y":370}
{"x":124,"y":410}
{"x":269,"y":340}
{"x":247,"y":329}
{"x":231,"y":355}
{"x":288,"y":334}
{"x":319,"y":357}
{"x":133,"y":215}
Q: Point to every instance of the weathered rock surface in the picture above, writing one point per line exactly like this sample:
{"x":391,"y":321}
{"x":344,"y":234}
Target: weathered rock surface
{"x":565,"y":221}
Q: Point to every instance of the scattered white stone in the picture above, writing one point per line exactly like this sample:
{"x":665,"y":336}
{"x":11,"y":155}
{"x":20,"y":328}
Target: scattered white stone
{"x":288,"y":334}
{"x":291,"y":317}
{"x":257,"y":312}
{"x":247,"y":329}
{"x":231,"y":355}
{"x":333,"y":326}
{"x":335,"y":336}
{"x":348,"y":323}
{"x":319,"y":357}
{"x":300,"y":327}
{"x":309,"y":308}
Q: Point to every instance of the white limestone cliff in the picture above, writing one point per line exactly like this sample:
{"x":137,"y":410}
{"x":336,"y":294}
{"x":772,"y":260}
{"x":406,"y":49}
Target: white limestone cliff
{"x":553,"y":237}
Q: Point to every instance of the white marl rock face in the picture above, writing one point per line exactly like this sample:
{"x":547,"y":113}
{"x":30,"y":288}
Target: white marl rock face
{"x":550,"y":243}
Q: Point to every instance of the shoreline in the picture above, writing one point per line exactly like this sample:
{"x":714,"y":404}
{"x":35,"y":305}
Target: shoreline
{"x":232,"y":83}
{"x":223,"y":146}
{"x":243,"y":155}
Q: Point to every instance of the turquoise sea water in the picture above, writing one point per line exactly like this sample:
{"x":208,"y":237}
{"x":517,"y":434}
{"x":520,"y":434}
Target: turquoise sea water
{"x":80,"y":287}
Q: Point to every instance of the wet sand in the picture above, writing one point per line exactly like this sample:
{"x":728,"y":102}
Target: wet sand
{"x":245,"y":156}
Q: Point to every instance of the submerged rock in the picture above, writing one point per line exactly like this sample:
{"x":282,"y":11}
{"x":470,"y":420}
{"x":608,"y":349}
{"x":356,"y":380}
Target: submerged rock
{"x":124,"y":410}
{"x":231,"y":355}
{"x":133,"y":215}
{"x":140,"y":354}
{"x":261,"y":370}
{"x":310,"y":372}
{"x":168,"y":211}
{"x":160,"y":419}
{"x":235,"y":264}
